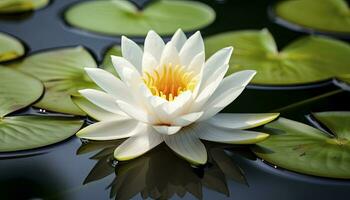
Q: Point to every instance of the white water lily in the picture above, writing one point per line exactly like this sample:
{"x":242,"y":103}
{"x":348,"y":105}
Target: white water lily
{"x":169,"y":93}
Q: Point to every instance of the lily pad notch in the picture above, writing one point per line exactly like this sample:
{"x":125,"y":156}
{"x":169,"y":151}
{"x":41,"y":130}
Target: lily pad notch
{"x":113,"y":17}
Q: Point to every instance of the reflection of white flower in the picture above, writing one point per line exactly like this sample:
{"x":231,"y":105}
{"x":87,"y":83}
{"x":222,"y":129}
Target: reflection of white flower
{"x":167,"y":92}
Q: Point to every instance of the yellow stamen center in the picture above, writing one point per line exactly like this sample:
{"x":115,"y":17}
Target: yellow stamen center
{"x":169,"y":81}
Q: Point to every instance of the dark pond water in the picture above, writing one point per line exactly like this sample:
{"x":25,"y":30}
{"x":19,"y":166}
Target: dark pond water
{"x":72,"y":170}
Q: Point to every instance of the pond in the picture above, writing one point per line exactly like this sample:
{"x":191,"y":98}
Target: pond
{"x":78,"y":169}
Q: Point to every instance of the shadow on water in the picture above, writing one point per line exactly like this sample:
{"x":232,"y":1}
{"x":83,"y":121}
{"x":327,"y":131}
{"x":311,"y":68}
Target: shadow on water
{"x":160,"y":174}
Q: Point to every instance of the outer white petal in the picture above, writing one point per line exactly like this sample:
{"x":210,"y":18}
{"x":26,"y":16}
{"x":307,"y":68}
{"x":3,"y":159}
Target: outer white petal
{"x":230,"y":136}
{"x":112,"y":130}
{"x":193,"y":46}
{"x":136,"y":113}
{"x":197,"y":63}
{"x":170,"y":55}
{"x":167,"y":130}
{"x":187,"y":144}
{"x":154,"y":45}
{"x":187,"y":119}
{"x":241,"y":121}
{"x":230,"y":88}
{"x":109,"y":83}
{"x":138,"y":145}
{"x":132,"y":52}
{"x":122,"y":66}
{"x":179,"y":39}
{"x":102,"y":100}
{"x":149,"y":63}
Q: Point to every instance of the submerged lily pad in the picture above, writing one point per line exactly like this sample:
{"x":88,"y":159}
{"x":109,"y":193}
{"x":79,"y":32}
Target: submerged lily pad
{"x":27,"y":132}
{"x":17,"y":90}
{"x":118,"y":17}
{"x":62,"y":72}
{"x":10,"y":48}
{"x":17,"y":6}
{"x":302,"y":148}
{"x":321,"y":15}
{"x":307,"y":60}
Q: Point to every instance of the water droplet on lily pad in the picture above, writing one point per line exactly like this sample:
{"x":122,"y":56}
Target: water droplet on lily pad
{"x":121,"y":17}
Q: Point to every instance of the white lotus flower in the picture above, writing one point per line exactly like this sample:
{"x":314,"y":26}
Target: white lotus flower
{"x":168,"y":93}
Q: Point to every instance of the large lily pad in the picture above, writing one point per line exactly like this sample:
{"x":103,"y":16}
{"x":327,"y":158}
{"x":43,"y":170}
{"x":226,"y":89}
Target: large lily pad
{"x":27,"y":132}
{"x":17,"y":6}
{"x":118,"y":17}
{"x":62,"y":72}
{"x":307,"y":60}
{"x":10,"y":48}
{"x":321,"y":15}
{"x":302,"y":148}
{"x":17,"y":90}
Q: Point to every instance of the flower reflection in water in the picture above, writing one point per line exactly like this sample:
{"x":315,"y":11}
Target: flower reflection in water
{"x":160,"y":174}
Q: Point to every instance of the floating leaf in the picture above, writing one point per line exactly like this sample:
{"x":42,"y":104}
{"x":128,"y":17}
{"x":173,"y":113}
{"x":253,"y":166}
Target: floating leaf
{"x":306,"y":60}
{"x":17,"y":90}
{"x":62,"y":72}
{"x":321,"y":15}
{"x":17,"y":6}
{"x":118,"y":17}
{"x":107,"y":62}
{"x":10,"y":48}
{"x":27,"y":132}
{"x":305,"y":149}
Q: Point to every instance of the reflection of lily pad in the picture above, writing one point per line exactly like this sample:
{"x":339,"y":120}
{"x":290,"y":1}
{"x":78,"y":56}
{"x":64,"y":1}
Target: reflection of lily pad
{"x":27,"y":132}
{"x":10,"y":48}
{"x":16,"y":6}
{"x":62,"y":72}
{"x":301,"y":148}
{"x":307,"y":60}
{"x":322,"y":15}
{"x":117,"y":17}
{"x":17,"y":90}
{"x":107,"y":62}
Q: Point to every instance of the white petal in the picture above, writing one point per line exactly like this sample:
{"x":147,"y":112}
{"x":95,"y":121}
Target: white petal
{"x":149,"y":63}
{"x":154,"y":45}
{"x":138,"y":145}
{"x":136,"y":113}
{"x":187,"y":144}
{"x":220,"y":58}
{"x":102,"y":100}
{"x":197,"y":63}
{"x":193,"y":46}
{"x":122,"y":66}
{"x":170,"y":55}
{"x":187,"y":119}
{"x":179,"y":39}
{"x":229,"y":89}
{"x":112,"y":130}
{"x":213,"y":82}
{"x":228,"y":136}
{"x":241,"y":121}
{"x":109,"y":83}
{"x":132,"y":52}
{"x":167,"y":130}
{"x":96,"y":112}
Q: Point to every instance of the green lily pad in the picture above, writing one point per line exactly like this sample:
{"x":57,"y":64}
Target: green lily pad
{"x":302,"y":148}
{"x":17,"y":6}
{"x":107,"y":62}
{"x":17,"y":90}
{"x":121,"y":17}
{"x":28,"y":132}
{"x":62,"y":72}
{"x":321,"y":15}
{"x":307,"y":60}
{"x":10,"y":48}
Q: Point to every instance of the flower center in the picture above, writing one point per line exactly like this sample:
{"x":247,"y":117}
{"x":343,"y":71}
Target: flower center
{"x":169,"y":81}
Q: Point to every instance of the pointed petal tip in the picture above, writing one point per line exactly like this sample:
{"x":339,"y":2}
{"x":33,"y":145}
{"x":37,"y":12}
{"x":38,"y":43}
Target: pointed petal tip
{"x":261,"y":137}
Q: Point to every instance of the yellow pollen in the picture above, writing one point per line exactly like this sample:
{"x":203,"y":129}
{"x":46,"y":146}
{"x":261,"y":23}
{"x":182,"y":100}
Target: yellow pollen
{"x":169,"y":81}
